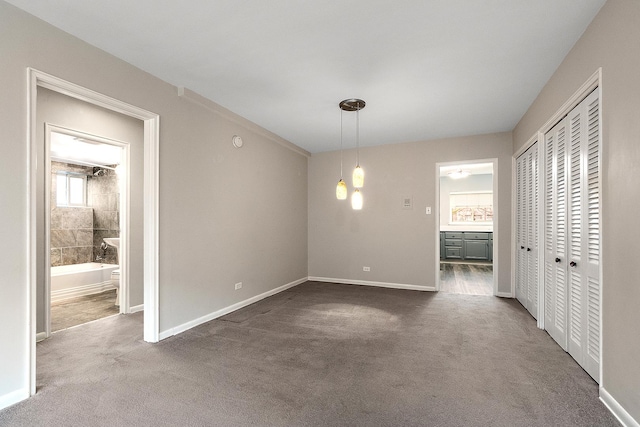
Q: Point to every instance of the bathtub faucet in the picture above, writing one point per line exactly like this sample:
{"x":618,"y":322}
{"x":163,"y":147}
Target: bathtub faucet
{"x":102,"y":255}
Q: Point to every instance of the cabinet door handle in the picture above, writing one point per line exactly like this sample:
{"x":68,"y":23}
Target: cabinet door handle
{"x":557,"y":259}
{"x":528,"y":249}
{"x":573,"y":264}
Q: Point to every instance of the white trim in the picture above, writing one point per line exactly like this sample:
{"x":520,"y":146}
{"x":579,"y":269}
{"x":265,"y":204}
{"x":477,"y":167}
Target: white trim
{"x":594,"y":81}
{"x":47,"y":228}
{"x":616,"y":409}
{"x":375,"y":284}
{"x":125,"y":214}
{"x":151,"y":120}
{"x":438,"y":244}
{"x":41,"y":336}
{"x":151,"y":323}
{"x":504,"y":294}
{"x":514,"y":213}
{"x":14,"y":397}
{"x":124,"y":259}
{"x":495,"y":227}
{"x":80,"y":291}
{"x":219,"y":313}
{"x":206,"y":103}
{"x":136,"y":308}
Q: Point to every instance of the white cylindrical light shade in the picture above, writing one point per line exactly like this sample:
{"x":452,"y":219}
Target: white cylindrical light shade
{"x":356,"y":200}
{"x":341,"y":190}
{"x":358,"y":177}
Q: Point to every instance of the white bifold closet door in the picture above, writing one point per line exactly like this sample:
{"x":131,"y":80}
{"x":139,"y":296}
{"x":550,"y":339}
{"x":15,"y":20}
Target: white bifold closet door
{"x":527,"y":201}
{"x":555,"y":227}
{"x":572,"y":234}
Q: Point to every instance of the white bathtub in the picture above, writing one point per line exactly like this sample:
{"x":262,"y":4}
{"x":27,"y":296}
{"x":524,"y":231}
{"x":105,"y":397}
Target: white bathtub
{"x":69,"y":281}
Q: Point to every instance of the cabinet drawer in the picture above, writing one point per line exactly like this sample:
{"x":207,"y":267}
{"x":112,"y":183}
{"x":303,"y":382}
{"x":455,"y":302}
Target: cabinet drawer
{"x":476,"y":236}
{"x":455,"y":253}
{"x":453,"y":242}
{"x":453,"y":234}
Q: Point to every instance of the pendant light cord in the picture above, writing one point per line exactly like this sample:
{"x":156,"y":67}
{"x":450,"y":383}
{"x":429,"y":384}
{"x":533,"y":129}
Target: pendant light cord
{"x":358,"y":135}
{"x":341,"y":115}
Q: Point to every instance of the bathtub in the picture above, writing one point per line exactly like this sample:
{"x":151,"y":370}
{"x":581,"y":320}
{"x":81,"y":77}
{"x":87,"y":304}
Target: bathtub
{"x":69,"y":281}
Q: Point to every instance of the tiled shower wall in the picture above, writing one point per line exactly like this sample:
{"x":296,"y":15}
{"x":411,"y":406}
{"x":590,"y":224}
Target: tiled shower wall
{"x":77,"y":232}
{"x":103,"y":195}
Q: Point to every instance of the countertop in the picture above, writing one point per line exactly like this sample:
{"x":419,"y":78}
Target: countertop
{"x":488,"y":228}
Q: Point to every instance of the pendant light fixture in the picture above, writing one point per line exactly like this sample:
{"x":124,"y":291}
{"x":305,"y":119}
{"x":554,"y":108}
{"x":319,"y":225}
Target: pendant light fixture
{"x":341,"y":188}
{"x":356,"y":105}
{"x":356,"y":200}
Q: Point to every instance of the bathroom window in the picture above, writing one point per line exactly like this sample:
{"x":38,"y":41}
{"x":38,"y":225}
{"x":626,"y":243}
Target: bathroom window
{"x":71,"y":189}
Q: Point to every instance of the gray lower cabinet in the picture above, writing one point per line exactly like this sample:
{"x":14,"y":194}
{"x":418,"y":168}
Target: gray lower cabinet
{"x":466,"y":245}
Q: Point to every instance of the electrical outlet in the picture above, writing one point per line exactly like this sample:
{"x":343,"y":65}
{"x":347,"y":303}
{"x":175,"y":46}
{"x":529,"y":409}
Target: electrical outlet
{"x":238,"y":285}
{"x":366,"y":268}
{"x":428,"y":210}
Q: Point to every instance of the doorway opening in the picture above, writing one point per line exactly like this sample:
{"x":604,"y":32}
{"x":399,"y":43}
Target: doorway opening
{"x":466,"y":227}
{"x":149,"y":252}
{"x":86,"y":218}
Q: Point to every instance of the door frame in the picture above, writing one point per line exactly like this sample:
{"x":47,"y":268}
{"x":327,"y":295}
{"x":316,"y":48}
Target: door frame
{"x":496,"y":219}
{"x":125,"y":215}
{"x":35,"y":79}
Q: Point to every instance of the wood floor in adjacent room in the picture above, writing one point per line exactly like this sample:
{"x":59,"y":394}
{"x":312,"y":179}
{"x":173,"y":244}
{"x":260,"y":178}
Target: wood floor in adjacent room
{"x":466,"y":278}
{"x":318,"y":354}
{"x":76,"y":311}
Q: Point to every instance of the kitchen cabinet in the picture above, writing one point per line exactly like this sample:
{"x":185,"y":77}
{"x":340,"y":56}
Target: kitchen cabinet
{"x":466,"y":245}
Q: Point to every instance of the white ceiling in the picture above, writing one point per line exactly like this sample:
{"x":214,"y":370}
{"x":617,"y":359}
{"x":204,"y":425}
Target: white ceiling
{"x":426,"y":68}
{"x":83,"y":151}
{"x":473,"y":168}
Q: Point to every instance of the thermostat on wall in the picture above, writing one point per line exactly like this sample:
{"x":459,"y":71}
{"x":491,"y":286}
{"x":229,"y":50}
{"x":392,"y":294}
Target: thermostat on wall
{"x":237,"y":141}
{"x":407,"y":202}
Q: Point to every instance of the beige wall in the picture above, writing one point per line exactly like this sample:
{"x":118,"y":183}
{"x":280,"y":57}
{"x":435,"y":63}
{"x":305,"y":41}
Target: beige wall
{"x":610,"y":42}
{"x":226,"y":215}
{"x":398,"y":244}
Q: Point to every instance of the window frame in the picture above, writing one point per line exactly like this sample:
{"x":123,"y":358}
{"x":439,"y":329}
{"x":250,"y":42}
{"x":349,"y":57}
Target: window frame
{"x":68,"y":196}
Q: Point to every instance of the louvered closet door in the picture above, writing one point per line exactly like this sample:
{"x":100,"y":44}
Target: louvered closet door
{"x":532,"y":230}
{"x":521,"y":220}
{"x":555,"y":256}
{"x":584,"y":235}
{"x":527,"y":195}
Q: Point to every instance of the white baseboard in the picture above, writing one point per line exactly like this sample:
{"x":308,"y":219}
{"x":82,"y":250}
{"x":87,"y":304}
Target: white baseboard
{"x":136,"y":308}
{"x":376,"y":284}
{"x":219,"y":313}
{"x":504,"y":294}
{"x":616,"y":409}
{"x":80,"y":291}
{"x":14,"y":397}
{"x":41,"y":336}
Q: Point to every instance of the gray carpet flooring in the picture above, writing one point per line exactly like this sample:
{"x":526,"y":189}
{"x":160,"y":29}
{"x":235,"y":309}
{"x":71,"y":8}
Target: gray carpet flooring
{"x":318,"y":354}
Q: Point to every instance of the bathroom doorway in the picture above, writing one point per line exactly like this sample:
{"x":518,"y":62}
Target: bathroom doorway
{"x":85,"y":197}
{"x":141,"y":250}
{"x":467,"y":227}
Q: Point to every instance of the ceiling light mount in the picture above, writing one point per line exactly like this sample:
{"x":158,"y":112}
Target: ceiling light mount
{"x":352,"y":104}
